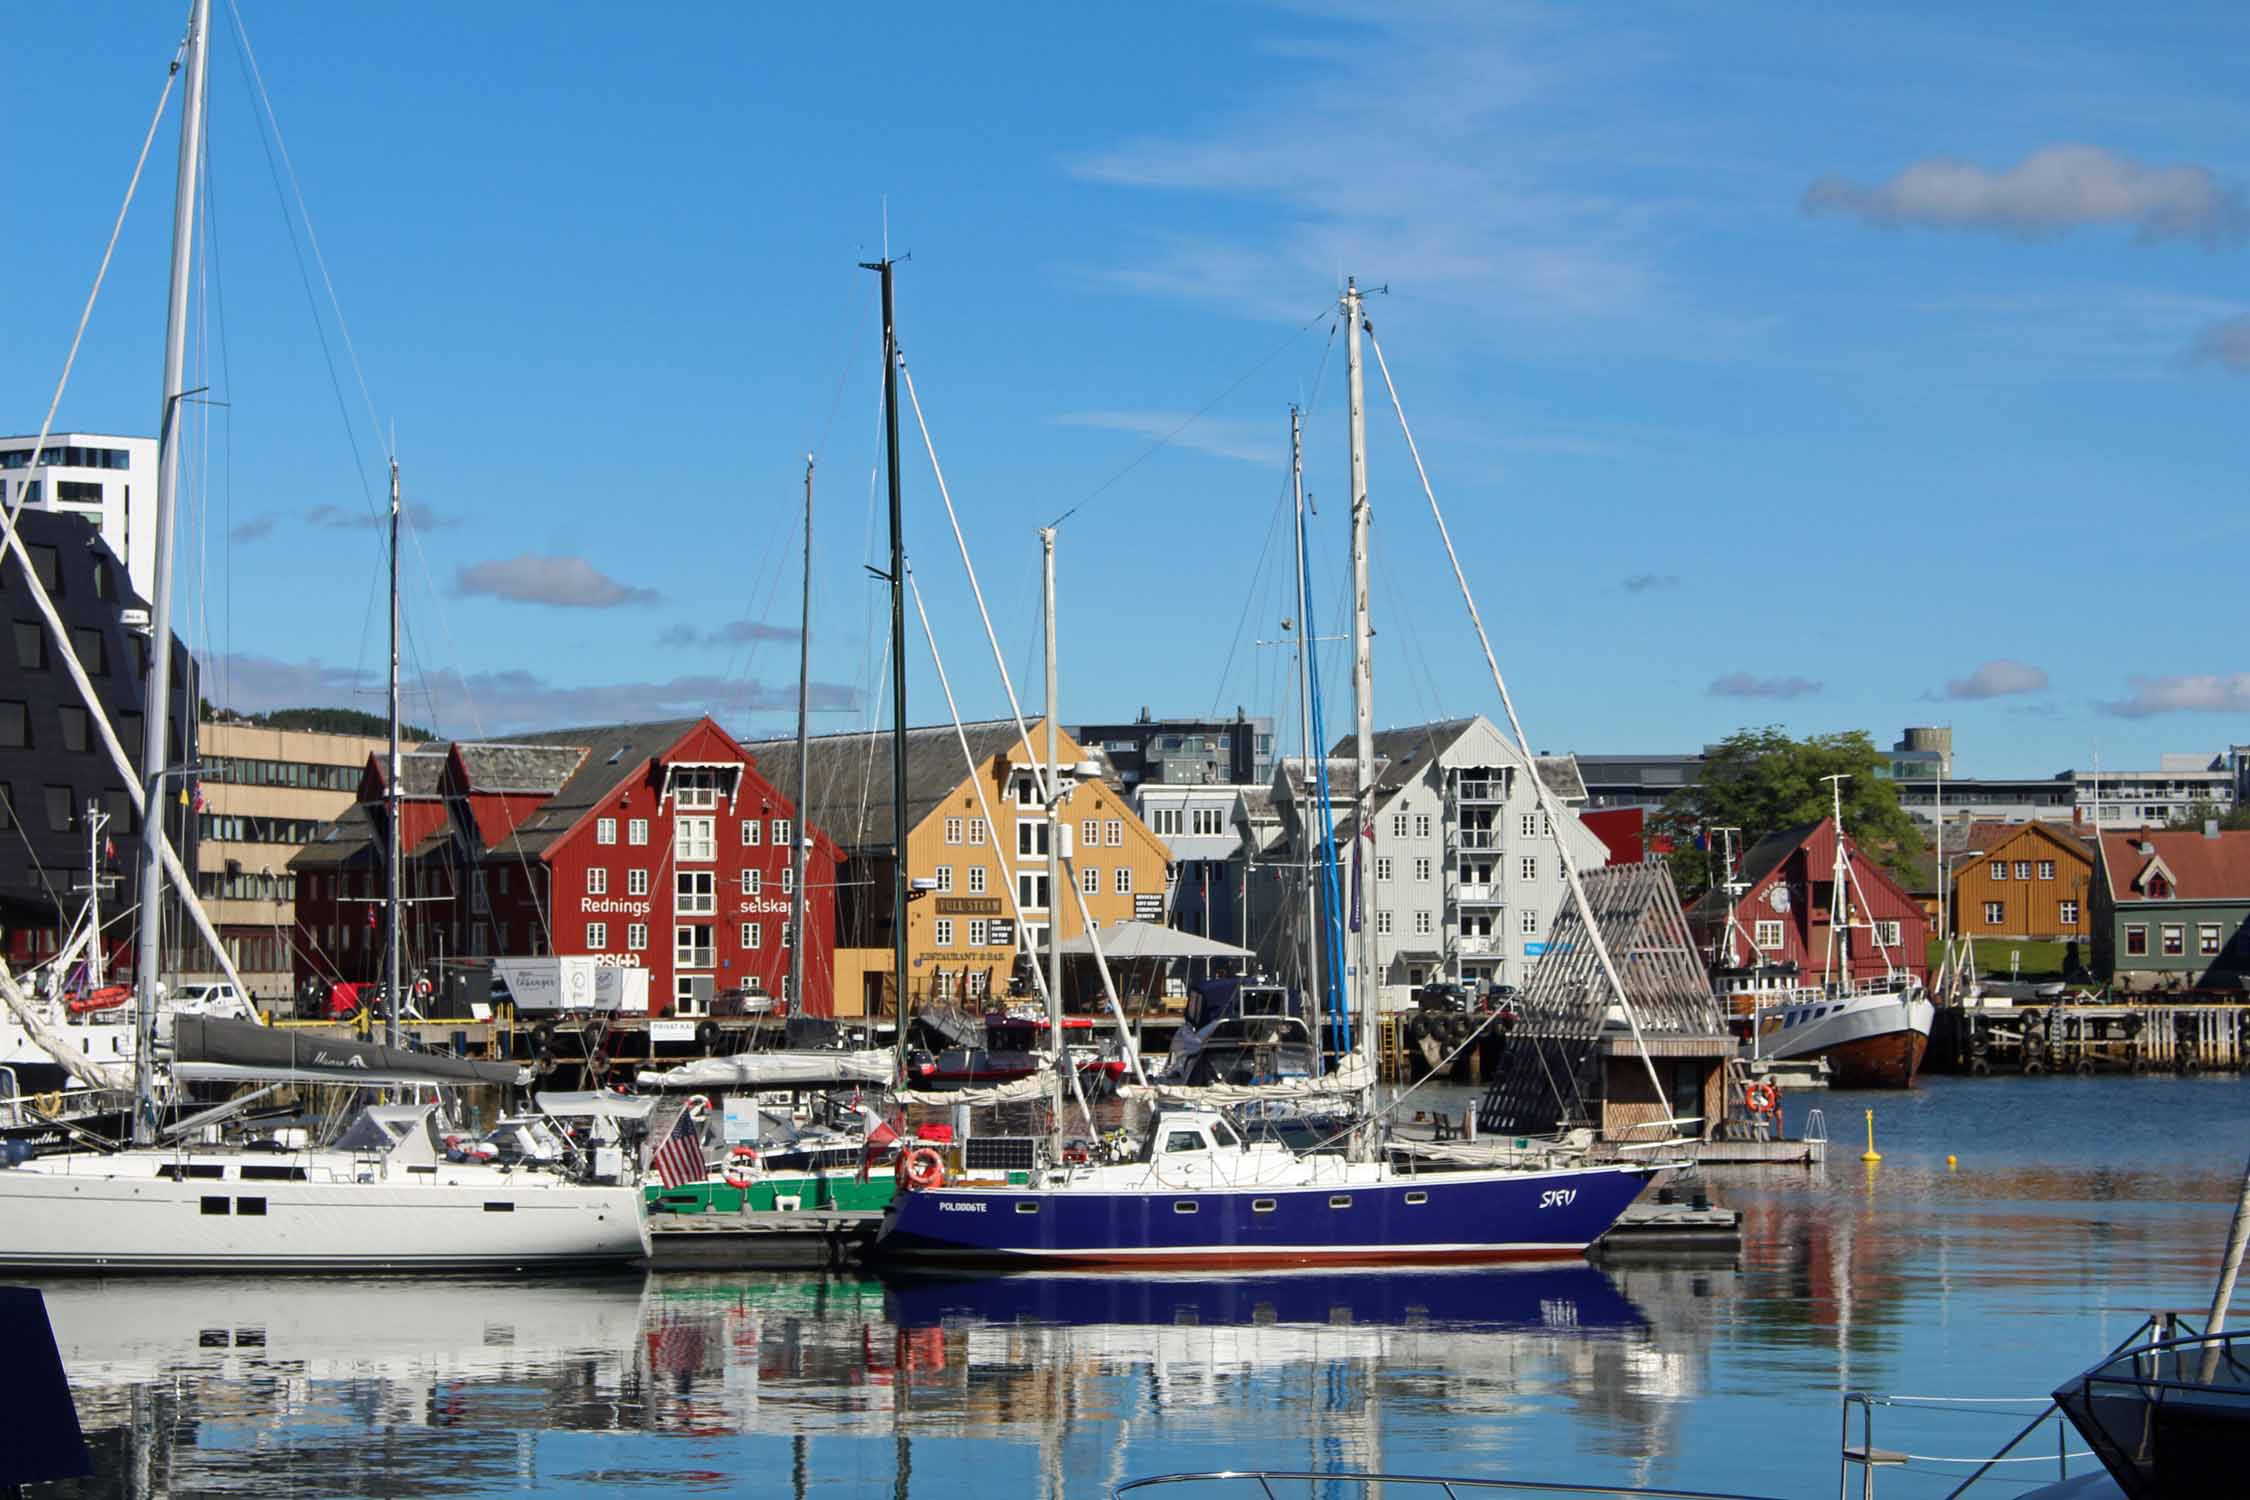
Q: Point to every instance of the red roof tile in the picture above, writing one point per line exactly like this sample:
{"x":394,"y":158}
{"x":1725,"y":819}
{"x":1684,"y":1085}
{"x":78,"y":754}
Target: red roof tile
{"x":2203,"y":869}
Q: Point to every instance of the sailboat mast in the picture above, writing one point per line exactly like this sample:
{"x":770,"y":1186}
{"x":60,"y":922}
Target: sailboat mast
{"x":797,"y":820}
{"x":395,"y":997}
{"x":1363,"y":685}
{"x":884,"y":269}
{"x":1054,"y":825}
{"x":1314,"y":995}
{"x":156,"y":705}
{"x":95,"y":823}
{"x":1839,"y":895}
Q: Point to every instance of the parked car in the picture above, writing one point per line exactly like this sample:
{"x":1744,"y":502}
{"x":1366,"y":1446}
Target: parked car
{"x":1442,"y":996}
{"x":744,"y":1002}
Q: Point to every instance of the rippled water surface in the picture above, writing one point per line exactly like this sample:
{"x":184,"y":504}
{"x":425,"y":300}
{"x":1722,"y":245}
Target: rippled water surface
{"x":2077,"y":1206}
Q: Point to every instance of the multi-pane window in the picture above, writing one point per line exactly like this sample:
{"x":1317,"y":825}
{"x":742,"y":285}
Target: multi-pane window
{"x":788,"y":881}
{"x":694,"y":894}
{"x":597,"y":936}
{"x":1208,"y":820}
{"x":1765,"y":935}
{"x":751,"y":881}
{"x":1090,"y":834}
{"x":941,"y":932}
{"x":1995,"y":913}
{"x":1422,"y":922}
{"x":1527,"y":868}
{"x":1115,"y":831}
{"x":695,"y":787}
{"x":1090,"y":881}
{"x":1026,"y":793}
{"x":753,"y":830}
{"x":1528,"y":825}
{"x":2207,"y":939}
{"x":636,"y":882}
{"x":1124,"y":880}
{"x":1382,"y":867}
{"x":2175,"y":939}
{"x":753,"y":934}
{"x":636,"y":937}
{"x":636,"y":831}
{"x":1999,"y":869}
{"x":1031,"y":891}
{"x":1031,"y":838}
{"x":2136,"y":941}
{"x":979,"y":929}
{"x":2046,"y":869}
{"x":953,"y":830}
{"x":1886,"y":934}
{"x":605,"y":830}
{"x":695,"y":840}
{"x":1421,"y":825}
{"x":976,"y":880}
{"x":1422,"y":868}
{"x":597,"y":880}
{"x":691,"y":945}
{"x":781,"y":833}
{"x":944,"y":878}
{"x":1398,"y":825}
{"x":979,"y":831}
{"x":2023,"y":869}
{"x":2066,"y":913}
{"x":1383,"y":923}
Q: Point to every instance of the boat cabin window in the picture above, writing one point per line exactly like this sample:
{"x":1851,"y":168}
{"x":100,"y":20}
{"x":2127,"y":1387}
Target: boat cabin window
{"x":1185,"y":1140}
{"x":178,"y":1171}
{"x":1264,"y":1003}
{"x":1224,"y":1134}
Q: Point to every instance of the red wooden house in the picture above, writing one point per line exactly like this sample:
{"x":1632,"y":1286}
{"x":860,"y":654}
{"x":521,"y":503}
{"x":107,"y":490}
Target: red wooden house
{"x":656,"y":846}
{"x":1783,"y":912}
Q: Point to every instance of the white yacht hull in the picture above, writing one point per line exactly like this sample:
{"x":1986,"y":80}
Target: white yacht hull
{"x":84,"y":1213}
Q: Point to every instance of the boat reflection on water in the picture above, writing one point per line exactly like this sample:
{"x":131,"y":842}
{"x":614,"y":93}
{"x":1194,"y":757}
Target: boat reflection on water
{"x":1553,"y":1297}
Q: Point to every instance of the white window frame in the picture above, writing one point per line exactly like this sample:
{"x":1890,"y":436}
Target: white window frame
{"x":1999,"y":869}
{"x":2023,"y":869}
{"x":1995,"y":913}
{"x":636,"y":937}
{"x":1766,"y":934}
{"x":980,"y":832}
{"x":1527,"y":867}
{"x":1887,"y":933}
{"x":636,"y":882}
{"x":976,"y":880}
{"x":1090,"y":880}
{"x":2207,"y":939}
{"x":782,"y":828}
{"x":1031,"y":838}
{"x":753,"y":935}
{"x":1422,"y":868}
{"x":944,"y":879}
{"x":1115,"y":829}
{"x":2066,"y":913}
{"x":1421,"y":825}
{"x":953,"y":830}
{"x":941,"y":932}
{"x":2172,"y":940}
{"x":1529,"y":827}
{"x":752,"y":881}
{"x":979,"y":928}
{"x":1124,"y":880}
{"x":597,"y":937}
{"x":1383,"y":924}
{"x":1422,"y":925}
{"x":597,"y":880}
{"x":694,"y":840}
{"x":686,"y":954}
{"x":1031,"y":890}
{"x":695,"y":893}
{"x":695,"y":787}
{"x":1382,"y":868}
{"x":605,"y":830}
{"x":2046,"y":869}
{"x":1398,"y":825}
{"x":753,"y":830}
{"x":636,"y":830}
{"x":788,"y":880}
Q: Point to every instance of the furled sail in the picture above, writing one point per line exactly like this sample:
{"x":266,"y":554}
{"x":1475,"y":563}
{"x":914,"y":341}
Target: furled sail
{"x":214,"y":1047}
{"x":776,"y":1070}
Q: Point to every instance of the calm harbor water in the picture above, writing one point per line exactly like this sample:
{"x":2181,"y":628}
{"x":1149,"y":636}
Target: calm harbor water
{"x":2078,"y":1205}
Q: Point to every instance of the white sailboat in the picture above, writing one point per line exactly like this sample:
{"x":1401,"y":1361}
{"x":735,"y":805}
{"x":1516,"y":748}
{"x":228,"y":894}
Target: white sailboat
{"x":387,"y":1192}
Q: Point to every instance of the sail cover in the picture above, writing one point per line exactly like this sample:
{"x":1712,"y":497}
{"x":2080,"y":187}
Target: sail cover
{"x":215,"y":1047}
{"x":776,"y":1070}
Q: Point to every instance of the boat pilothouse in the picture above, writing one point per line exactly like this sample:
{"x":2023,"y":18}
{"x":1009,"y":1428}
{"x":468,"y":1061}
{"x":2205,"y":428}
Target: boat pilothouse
{"x":1242,"y":1031}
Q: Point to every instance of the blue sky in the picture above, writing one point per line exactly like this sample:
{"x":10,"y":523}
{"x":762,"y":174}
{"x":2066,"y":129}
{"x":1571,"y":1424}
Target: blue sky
{"x":1833,"y":369}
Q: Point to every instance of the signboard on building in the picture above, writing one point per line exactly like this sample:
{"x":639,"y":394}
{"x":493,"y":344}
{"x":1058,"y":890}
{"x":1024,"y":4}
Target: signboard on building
{"x":572,"y":982}
{"x":1148,"y":906}
{"x":968,"y":906}
{"x":1001,"y":932}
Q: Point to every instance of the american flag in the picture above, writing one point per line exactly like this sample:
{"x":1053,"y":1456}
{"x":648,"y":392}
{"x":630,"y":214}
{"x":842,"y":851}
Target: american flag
{"x":679,"y":1160}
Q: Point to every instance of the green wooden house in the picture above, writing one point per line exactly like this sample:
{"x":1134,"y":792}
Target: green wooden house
{"x":2172,"y":910}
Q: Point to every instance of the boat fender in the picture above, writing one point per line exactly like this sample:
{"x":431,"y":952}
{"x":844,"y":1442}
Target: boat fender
{"x":1979,"y":1068}
{"x":707,"y":1035}
{"x":543,"y":1036}
{"x":598,"y":1064}
{"x":921,"y":1169}
{"x":2085,"y":1068}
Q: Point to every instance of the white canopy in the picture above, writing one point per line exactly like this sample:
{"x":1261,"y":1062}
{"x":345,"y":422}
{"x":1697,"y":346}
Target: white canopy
{"x":776,"y":1070}
{"x":1128,"y":941}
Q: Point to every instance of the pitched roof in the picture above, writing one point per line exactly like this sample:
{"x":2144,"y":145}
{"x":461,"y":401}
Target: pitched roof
{"x":2202,"y":869}
{"x":1764,"y":858}
{"x":848,"y":776}
{"x":602,"y":757}
{"x":1294,"y":775}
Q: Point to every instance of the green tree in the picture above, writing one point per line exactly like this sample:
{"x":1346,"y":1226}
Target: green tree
{"x":2194,"y":817}
{"x":318,"y":720}
{"x":1762,"y":781}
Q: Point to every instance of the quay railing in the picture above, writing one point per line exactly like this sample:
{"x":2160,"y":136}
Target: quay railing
{"x":1263,"y":1482}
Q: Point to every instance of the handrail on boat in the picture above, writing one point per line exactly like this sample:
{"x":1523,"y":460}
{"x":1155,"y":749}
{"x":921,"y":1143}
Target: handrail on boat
{"x":1450,"y":1485}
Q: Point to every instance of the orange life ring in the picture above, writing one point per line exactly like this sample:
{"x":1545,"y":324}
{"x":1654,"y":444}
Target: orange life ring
{"x":920,"y":1169}
{"x":740,"y":1181}
{"x":1761,"y":1098}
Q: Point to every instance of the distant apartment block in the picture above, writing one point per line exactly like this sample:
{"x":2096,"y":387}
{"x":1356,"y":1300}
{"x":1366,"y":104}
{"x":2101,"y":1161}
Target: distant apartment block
{"x":1186,"y":752}
{"x":108,"y":480}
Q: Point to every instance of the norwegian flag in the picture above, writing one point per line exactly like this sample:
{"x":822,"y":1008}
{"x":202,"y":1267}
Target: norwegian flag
{"x":679,"y":1160}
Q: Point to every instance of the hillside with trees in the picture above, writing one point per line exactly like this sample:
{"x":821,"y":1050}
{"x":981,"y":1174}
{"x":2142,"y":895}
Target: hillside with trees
{"x":317,"y":721}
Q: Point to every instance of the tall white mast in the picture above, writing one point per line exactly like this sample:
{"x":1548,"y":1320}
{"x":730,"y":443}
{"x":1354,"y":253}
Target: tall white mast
{"x":1363,"y":685}
{"x":1314,"y":996}
{"x":1839,"y":895}
{"x":394,"y":996}
{"x":157,"y":702}
{"x":797,"y":829}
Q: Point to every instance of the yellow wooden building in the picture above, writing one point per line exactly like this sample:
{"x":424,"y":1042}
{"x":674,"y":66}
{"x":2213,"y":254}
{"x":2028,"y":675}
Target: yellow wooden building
{"x":971,"y":879}
{"x":2032,"y":881}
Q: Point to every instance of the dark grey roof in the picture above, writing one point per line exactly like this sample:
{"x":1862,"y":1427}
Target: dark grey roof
{"x":334,"y":845}
{"x":1764,"y":856}
{"x":1409,"y":750}
{"x":418,"y":770}
{"x":602,"y":757}
{"x":1561,"y":774}
{"x":848,"y":776}
{"x":543,"y":768}
{"x":1343,"y":777}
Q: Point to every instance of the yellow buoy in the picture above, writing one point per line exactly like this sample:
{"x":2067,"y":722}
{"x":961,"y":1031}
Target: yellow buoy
{"x":1871,"y":1154}
{"x":1952,"y":1162}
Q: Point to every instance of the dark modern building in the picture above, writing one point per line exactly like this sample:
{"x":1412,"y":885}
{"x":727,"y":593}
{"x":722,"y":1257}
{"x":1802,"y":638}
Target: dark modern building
{"x":53,"y":768}
{"x":1637,"y":780}
{"x":1185,"y":752}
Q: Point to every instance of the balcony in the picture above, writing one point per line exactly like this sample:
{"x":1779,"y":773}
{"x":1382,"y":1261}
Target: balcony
{"x":1476,"y":947}
{"x":1477,"y":895}
{"x":1467,"y":790}
{"x":1477,"y":840}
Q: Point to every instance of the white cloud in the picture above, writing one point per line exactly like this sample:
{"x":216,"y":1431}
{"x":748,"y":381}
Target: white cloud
{"x":1997,"y":679}
{"x":1220,"y":439}
{"x":1743,"y":685}
{"x":732,"y":633}
{"x":2052,"y":191}
{"x":2219,"y":693}
{"x":2225,"y":344}
{"x":485,"y":703}
{"x":343,"y":518}
{"x":1650,"y":583}
{"x":564,"y":582}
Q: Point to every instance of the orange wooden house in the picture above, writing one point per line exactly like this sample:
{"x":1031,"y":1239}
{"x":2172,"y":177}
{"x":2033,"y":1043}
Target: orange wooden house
{"x":2029,"y":881}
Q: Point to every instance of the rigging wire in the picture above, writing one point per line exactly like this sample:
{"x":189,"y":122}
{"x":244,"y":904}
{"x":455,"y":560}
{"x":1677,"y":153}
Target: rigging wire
{"x":1327,"y":311}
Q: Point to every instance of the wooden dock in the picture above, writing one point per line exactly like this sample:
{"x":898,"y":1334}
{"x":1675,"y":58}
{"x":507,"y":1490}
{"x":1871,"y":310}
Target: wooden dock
{"x":807,"y":1239}
{"x":1658,"y":1229}
{"x":2064,"y":1037}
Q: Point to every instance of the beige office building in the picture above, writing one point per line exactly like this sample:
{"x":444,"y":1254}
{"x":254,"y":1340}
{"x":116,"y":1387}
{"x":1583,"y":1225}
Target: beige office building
{"x":264,"y":793}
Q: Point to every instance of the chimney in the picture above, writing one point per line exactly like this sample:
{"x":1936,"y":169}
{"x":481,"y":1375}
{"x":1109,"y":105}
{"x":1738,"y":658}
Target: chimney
{"x":2210,"y":828}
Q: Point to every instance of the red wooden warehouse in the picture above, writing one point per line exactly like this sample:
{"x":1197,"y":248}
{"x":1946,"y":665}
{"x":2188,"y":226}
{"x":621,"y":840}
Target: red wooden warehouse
{"x":1783,"y":914}
{"x":656,"y":846}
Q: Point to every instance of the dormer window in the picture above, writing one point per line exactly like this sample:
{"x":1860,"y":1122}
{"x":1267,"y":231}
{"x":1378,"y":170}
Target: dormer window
{"x":2157,"y":888}
{"x":695,"y":787}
